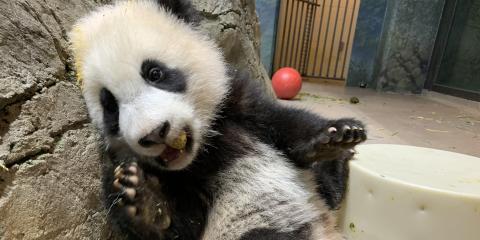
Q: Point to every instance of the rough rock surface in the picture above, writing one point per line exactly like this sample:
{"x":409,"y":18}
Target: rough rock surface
{"x":235,"y":27}
{"x":49,"y":152}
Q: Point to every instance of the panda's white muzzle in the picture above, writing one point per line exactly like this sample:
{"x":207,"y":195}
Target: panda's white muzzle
{"x":154,"y":120}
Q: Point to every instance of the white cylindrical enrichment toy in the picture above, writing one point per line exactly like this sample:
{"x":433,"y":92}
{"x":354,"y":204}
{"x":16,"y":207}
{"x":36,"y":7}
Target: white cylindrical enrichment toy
{"x":410,"y":193}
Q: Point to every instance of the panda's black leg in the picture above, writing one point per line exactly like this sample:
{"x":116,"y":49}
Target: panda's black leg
{"x":303,"y":136}
{"x":330,"y":142}
{"x":133,"y":203}
{"x":331,"y":177}
{"x":330,"y":151}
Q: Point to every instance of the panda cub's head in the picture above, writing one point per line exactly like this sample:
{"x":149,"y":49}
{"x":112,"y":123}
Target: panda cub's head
{"x":148,"y":77}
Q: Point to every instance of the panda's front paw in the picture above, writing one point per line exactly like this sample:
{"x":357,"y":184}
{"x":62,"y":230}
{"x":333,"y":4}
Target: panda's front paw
{"x":335,"y":140}
{"x":127,"y":179}
{"x":345,"y":133}
{"x":140,"y":202}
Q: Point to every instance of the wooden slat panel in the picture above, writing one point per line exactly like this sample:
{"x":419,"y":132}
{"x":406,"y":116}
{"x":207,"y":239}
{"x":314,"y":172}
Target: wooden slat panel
{"x":331,"y":37}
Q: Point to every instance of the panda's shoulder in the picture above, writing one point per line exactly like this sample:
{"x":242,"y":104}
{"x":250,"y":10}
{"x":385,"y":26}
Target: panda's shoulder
{"x":246,"y":95}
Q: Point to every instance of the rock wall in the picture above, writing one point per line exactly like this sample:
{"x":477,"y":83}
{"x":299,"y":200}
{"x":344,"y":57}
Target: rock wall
{"x":49,"y":152}
{"x":393,"y":44}
{"x":235,"y":27}
{"x":368,"y":32}
{"x":407,"y":44}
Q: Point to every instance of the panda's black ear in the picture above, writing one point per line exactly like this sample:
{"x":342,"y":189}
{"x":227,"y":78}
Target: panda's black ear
{"x":182,"y":8}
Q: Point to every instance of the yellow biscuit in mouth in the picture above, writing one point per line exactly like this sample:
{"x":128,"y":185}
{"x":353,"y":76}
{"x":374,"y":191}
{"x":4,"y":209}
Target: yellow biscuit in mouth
{"x":180,"y":142}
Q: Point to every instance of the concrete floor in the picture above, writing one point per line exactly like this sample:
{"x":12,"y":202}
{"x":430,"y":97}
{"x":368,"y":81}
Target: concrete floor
{"x":429,"y":120}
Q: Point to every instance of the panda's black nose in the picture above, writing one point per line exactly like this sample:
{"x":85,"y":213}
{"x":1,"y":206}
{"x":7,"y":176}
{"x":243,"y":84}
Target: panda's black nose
{"x":157,"y":136}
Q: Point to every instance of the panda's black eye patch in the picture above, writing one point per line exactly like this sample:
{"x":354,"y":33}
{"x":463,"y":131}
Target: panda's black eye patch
{"x":162,"y":77}
{"x":110,"y":111}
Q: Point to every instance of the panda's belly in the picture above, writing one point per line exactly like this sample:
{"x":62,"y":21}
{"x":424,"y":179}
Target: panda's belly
{"x":263,"y":190}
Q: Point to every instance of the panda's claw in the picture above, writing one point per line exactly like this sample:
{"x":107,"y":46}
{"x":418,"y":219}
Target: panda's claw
{"x":117,"y":185}
{"x":133,"y":180}
{"x":118,"y":169}
{"x":349,"y":133}
{"x":332,"y":130}
{"x":131,"y":211}
{"x":132,"y":169}
{"x":130,"y":193}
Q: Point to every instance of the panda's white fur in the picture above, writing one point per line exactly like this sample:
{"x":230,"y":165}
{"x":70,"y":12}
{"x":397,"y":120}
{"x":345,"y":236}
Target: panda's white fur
{"x":257,"y":189}
{"x":259,"y":182}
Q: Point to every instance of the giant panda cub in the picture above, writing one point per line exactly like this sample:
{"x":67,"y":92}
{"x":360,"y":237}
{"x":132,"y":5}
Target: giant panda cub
{"x":193,"y":148}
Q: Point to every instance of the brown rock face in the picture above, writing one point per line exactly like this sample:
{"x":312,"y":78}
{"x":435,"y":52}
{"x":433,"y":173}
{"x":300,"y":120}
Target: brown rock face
{"x":50,"y":154}
{"x":235,"y":27}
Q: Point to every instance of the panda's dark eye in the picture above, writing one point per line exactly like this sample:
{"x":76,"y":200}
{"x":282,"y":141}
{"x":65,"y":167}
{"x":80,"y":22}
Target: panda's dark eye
{"x":156,"y":75}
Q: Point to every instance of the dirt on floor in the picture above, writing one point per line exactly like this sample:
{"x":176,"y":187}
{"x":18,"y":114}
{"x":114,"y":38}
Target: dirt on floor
{"x":429,"y":120}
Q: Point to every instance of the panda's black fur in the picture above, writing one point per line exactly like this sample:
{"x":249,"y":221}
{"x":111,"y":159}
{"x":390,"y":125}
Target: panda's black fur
{"x":183,"y":9}
{"x":178,"y":204}
{"x":247,"y":111}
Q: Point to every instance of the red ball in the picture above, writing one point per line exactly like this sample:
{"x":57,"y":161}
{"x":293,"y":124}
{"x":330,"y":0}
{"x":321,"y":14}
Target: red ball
{"x":286,"y":83}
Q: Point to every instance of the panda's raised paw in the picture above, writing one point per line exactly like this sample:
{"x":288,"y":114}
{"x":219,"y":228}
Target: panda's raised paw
{"x":127,"y":179}
{"x":139,"y":199}
{"x":335,"y":140}
{"x":344,"y":133}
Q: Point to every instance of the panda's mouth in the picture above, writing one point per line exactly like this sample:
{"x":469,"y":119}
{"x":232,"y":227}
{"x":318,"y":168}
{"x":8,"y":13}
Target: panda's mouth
{"x":171,"y":154}
{"x":176,"y":149}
